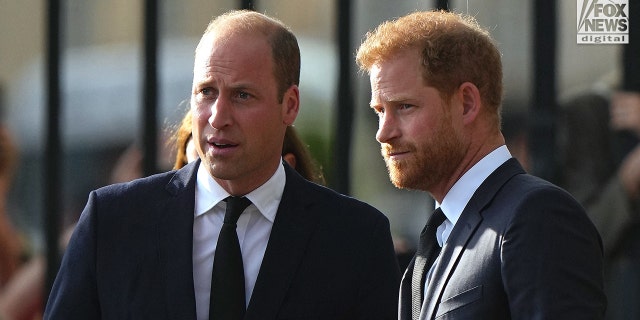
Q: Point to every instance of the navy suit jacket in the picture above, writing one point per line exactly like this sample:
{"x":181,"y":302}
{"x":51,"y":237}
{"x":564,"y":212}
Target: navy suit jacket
{"x":521,"y":249}
{"x":329,"y":256}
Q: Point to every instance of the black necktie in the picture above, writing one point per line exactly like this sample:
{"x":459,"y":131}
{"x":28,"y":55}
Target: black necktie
{"x":428,"y":250}
{"x":227,"y":279}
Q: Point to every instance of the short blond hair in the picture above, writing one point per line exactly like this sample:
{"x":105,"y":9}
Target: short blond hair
{"x":455,"y":49}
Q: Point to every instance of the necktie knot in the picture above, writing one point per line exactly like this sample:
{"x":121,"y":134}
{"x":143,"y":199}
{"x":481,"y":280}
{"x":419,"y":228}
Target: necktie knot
{"x":235,"y":207}
{"x":428,"y":234}
{"x":437,"y":218}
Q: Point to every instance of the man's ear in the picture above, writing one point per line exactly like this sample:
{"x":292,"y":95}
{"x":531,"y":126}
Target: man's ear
{"x":290,"y":104}
{"x":471,"y":102}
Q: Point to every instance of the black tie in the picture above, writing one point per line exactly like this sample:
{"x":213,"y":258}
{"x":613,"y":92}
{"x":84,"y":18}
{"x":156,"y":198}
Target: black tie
{"x":428,"y":250}
{"x":227,"y":279}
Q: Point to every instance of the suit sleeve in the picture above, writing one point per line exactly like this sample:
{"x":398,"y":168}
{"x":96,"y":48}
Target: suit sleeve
{"x":74,"y":292}
{"x":380,"y":280}
{"x":552,"y":259}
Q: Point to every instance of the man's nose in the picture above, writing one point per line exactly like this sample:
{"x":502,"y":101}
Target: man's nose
{"x":387,"y":128}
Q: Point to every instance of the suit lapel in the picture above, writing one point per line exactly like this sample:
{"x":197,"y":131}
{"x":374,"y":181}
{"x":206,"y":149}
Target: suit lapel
{"x":466,"y":226}
{"x":292,"y":228}
{"x":175,"y":243}
{"x":450,"y":254}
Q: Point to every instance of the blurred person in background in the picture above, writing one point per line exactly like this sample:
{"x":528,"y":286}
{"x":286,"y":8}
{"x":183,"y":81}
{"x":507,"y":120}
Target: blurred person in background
{"x":296,"y":153}
{"x":21,"y":272}
{"x":182,"y":142}
{"x":599,"y":144}
{"x":11,"y":244}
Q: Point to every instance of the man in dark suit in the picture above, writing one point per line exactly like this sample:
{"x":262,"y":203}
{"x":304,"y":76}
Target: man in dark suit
{"x":513,"y":246}
{"x":145,"y":249}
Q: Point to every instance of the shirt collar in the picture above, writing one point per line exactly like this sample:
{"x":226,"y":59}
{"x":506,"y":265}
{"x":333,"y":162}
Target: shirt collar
{"x":266,"y":197}
{"x":457,"y":198}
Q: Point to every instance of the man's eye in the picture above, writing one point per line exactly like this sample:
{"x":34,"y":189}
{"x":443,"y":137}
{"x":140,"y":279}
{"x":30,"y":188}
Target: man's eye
{"x":243,"y":95}
{"x":206,"y":91}
{"x":404,"y":106}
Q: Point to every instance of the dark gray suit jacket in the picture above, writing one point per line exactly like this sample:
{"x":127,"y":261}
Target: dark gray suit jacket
{"x":522,"y":249}
{"x":328,"y":257}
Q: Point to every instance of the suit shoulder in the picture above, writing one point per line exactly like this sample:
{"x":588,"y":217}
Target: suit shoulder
{"x":534,"y":199}
{"x":135,"y":200}
{"x":137,"y":187}
{"x":526,"y":185}
{"x":340,"y":203}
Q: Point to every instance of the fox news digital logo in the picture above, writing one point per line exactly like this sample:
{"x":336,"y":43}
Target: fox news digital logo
{"x":604,"y":22}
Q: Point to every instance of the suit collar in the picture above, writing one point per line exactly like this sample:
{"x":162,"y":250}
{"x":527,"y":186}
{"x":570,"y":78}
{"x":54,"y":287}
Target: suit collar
{"x":293,"y":226}
{"x":266,"y":197}
{"x":175,"y":240}
{"x":466,"y":226}
{"x":461,"y":192}
{"x":291,"y":231}
{"x":287,"y":243}
{"x":183,"y":177}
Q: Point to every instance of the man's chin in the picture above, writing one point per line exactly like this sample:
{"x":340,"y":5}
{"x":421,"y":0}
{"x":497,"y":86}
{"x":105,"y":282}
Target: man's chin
{"x":397,"y":179}
{"x":405,"y":180}
{"x":219,"y":170}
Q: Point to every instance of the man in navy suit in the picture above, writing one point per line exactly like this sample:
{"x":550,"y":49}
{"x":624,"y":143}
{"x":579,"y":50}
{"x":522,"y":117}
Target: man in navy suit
{"x":513,"y":246}
{"x":145,"y":249}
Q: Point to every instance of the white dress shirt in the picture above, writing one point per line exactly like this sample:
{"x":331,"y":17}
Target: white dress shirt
{"x":254,"y":228}
{"x":459,"y":195}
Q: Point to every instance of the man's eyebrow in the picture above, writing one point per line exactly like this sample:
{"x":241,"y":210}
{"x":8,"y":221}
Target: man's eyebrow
{"x":386,"y":99}
{"x":204,"y":81}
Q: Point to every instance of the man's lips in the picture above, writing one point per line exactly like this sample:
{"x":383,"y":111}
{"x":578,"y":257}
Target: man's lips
{"x":221,"y":142}
{"x":389,"y":152}
{"x":396,"y":153}
{"x":396,"y":156}
{"x":221,"y":146}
